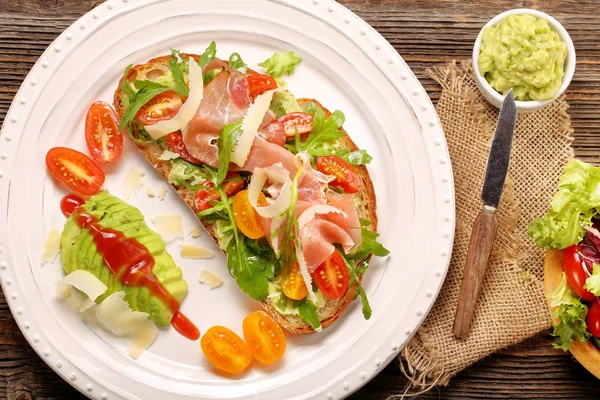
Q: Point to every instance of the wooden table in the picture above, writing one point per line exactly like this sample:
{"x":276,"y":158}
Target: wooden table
{"x":425,"y":33}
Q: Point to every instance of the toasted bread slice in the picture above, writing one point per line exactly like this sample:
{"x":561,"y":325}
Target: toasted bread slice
{"x":153,"y":150}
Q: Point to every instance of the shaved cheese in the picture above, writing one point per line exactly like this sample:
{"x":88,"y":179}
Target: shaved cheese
{"x":51,"y":246}
{"x":162,"y":192}
{"x":168,"y":155}
{"x":254,"y":117}
{"x":187,"y":110}
{"x":195,"y":232}
{"x":133,"y":181}
{"x":79,"y":289}
{"x":311,"y":212}
{"x":210,"y":278}
{"x":276,"y":174}
{"x":116,"y":317}
{"x":169,"y":227}
{"x":305,"y":274}
{"x":276,"y":224}
{"x":192,"y":251}
{"x":150,"y":192}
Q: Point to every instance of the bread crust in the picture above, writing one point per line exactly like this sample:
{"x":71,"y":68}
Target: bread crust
{"x":334,"y":308}
{"x":586,"y":353}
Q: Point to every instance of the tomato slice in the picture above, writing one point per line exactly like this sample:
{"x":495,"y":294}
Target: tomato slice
{"x":332,"y":276}
{"x":207,"y":195}
{"x":260,"y":83}
{"x":575,"y":272}
{"x":102,"y":135}
{"x":297,"y":121}
{"x":225,"y":350}
{"x":593,"y":318}
{"x":292,"y":283}
{"x":345,"y":175}
{"x":76,"y":170}
{"x":175,"y":141}
{"x":264,"y":337}
{"x":161,"y":107}
{"x":246,"y":216}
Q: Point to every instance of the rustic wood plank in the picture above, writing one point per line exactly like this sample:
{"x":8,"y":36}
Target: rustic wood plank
{"x":425,"y":33}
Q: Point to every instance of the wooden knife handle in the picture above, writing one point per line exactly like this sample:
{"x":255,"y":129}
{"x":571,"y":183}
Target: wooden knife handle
{"x":480,"y":247}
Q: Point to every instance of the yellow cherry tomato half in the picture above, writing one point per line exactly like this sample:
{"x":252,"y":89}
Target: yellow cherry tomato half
{"x":246,"y":217}
{"x":264,"y":337}
{"x":225,"y":350}
{"x":292,"y":283}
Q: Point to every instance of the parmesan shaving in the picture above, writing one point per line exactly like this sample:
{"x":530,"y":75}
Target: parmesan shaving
{"x":169,"y":227}
{"x":133,"y":181}
{"x":162,"y":192}
{"x":192,"y":251}
{"x":276,"y":224}
{"x":275,"y":173}
{"x":168,"y":155}
{"x":187,"y":110}
{"x":195,"y":232}
{"x":79,"y":289}
{"x":305,"y":274}
{"x":150,"y":192}
{"x":210,"y":279}
{"x":254,"y":117}
{"x":51,"y":246}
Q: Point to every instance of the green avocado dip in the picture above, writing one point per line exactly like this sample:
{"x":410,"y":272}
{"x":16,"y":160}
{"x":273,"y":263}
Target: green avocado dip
{"x":522,"y":52}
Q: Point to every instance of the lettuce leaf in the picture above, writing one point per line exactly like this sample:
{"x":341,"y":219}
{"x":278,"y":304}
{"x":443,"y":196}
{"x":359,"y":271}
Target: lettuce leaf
{"x":227,"y":139}
{"x":592,"y":283}
{"x":236,"y":62}
{"x":283,"y":103}
{"x":563,"y":294}
{"x":186,"y":174}
{"x":572,"y":208}
{"x":571,"y":325}
{"x":281,"y":63}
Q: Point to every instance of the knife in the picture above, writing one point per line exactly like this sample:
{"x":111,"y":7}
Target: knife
{"x":486,"y":225}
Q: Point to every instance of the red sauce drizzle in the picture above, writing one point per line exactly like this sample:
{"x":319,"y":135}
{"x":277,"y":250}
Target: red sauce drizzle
{"x":129,"y":260}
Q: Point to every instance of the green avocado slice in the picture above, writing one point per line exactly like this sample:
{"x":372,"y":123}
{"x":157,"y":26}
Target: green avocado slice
{"x":79,"y":252}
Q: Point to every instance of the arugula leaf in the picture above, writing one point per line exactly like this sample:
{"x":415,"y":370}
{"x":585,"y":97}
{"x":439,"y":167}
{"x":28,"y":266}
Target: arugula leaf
{"x":137,"y":133}
{"x":249,"y":269}
{"x":227,"y":139}
{"x":357,"y":157}
{"x":147,"y":91}
{"x":369,"y":244}
{"x":571,"y":325}
{"x":573,"y":207}
{"x":177,"y":65}
{"x":325,"y":131}
{"x":126,"y":86}
{"x":236,"y":62}
{"x":209,"y":54}
{"x":355,"y":278}
{"x":185,"y":67}
{"x":308,"y":312}
{"x":592,"y":283}
{"x":280,"y":63}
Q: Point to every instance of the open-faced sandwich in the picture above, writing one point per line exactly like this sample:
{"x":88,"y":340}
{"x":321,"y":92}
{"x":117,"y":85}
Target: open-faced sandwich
{"x":275,"y":180}
{"x":571,"y":233}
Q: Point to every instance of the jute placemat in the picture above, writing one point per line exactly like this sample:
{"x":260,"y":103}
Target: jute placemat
{"x":512,"y":305}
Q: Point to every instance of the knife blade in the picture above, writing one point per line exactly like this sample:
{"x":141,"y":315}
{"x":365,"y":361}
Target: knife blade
{"x":486,"y":224}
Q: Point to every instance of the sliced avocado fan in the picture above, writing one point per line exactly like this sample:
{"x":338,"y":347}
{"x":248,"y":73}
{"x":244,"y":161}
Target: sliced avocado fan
{"x":79,"y":252}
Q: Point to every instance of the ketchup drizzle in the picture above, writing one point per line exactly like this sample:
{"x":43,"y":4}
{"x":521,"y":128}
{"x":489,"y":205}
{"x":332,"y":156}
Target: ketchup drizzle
{"x":129,"y":260}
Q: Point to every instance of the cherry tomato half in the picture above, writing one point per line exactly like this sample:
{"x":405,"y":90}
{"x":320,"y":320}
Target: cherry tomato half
{"x":175,"y":141}
{"x":246,"y":216}
{"x":264,"y":337}
{"x":332,"y":276}
{"x":102,"y":135}
{"x":161,"y":107}
{"x":297,"y":121}
{"x":76,"y":170}
{"x":225,"y":350}
{"x":260,"y":83}
{"x":345,"y":175}
{"x":292,"y":283}
{"x":593,"y":318}
{"x":206,"y":195}
{"x":575,"y":272}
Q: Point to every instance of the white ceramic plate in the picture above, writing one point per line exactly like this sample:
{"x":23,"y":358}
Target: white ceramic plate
{"x":347,"y":66}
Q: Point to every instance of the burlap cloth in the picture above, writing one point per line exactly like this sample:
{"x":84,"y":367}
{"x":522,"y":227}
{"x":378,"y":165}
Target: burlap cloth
{"x":512,"y":304}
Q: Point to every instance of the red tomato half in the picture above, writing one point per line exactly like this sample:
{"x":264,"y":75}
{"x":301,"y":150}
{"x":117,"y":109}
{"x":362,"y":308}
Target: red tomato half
{"x":260,"y":83}
{"x":75,"y":169}
{"x":175,"y":141}
{"x":102,"y":135}
{"x":575,"y":272}
{"x":593,"y":318}
{"x":161,"y":107}
{"x":206,"y":195}
{"x":345,"y":175}
{"x":298,"y":121}
{"x":332,"y":276}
